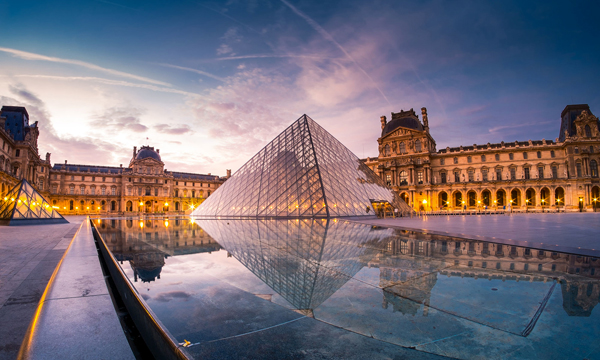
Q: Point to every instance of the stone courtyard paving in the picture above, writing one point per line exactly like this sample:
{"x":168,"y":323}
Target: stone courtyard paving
{"x":567,"y":232}
{"x":28,"y":257}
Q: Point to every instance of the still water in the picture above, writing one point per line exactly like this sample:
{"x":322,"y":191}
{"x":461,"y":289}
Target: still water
{"x":337,"y":289}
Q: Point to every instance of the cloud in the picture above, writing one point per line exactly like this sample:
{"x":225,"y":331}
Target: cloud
{"x":31,"y":56}
{"x":241,"y":66}
{"x":330,"y":38}
{"x":194,"y":71}
{"x":500,"y":129}
{"x":173,"y":130}
{"x":89,"y":150}
{"x":120,"y":119}
{"x":224,"y":49}
{"x":109,"y":82}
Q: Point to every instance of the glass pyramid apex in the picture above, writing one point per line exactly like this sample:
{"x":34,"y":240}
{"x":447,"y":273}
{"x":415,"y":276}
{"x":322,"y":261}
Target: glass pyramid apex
{"x":303,"y":172}
{"x":23,"y":205}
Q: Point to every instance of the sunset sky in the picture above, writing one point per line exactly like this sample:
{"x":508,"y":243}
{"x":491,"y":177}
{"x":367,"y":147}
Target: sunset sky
{"x":211,"y":83}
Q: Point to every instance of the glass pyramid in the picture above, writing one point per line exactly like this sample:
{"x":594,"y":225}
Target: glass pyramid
{"x":23,"y":205}
{"x":303,"y":172}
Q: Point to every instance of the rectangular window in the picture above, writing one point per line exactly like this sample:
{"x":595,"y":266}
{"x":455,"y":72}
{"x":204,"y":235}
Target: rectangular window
{"x":156,"y":192}
{"x":139,"y":191}
{"x":17,"y":152}
{"x":457,"y":176}
{"x":555,"y":172}
{"x":484,"y":175}
{"x":526,"y":172}
{"x":552,"y":153}
{"x":103,"y":179}
{"x":129,"y":191}
{"x":114,"y":179}
{"x":420,"y":177}
{"x":498,"y":174}
{"x":93,"y":191}
{"x":388,"y":179}
{"x":471,"y":176}
{"x":541,"y":172}
{"x":497,"y":156}
{"x":103,"y":191}
{"x":442,"y":161}
{"x":524,"y":155}
{"x":54,"y":189}
{"x":443,"y":177}
{"x":578,"y":167}
{"x":511,"y":156}
{"x":113,"y":191}
{"x":513,"y":174}
{"x":72,"y":190}
{"x":482,"y":158}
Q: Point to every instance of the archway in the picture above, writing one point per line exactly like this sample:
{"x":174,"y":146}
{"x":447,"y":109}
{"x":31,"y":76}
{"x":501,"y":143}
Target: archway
{"x":595,"y":197}
{"x":545,"y":197}
{"x":404,"y":196}
{"x":177,"y":206}
{"x":486,"y":197}
{"x":458,"y":200}
{"x":472,"y":198}
{"x":500,"y":198}
{"x":530,"y":197}
{"x":148,"y":206}
{"x":559,"y":196}
{"x":443,"y":200}
{"x":515,"y":197}
{"x":129,"y":206}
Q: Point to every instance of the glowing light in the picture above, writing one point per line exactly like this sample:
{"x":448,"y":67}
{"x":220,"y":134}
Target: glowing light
{"x":141,"y":203}
{"x":424,"y":201}
{"x":76,"y":207}
{"x":580,"y":200}
{"x":141,"y":224}
{"x":88,"y":208}
{"x":166,"y":223}
{"x":166,"y":204}
{"x":479,"y":202}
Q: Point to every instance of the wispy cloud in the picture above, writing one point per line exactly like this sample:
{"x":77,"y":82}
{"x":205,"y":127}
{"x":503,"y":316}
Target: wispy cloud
{"x":330,"y":38}
{"x":120,"y":119}
{"x":500,"y":129}
{"x":266,"y":56}
{"x":32,"y":56}
{"x":110,"y":82}
{"x":173,"y":130}
{"x":194,"y":71}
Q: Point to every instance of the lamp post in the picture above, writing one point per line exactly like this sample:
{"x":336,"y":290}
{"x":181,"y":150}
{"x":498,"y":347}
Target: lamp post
{"x":594,"y":204}
{"x":425,"y":205}
{"x":580,"y":204}
{"x":543,"y":201}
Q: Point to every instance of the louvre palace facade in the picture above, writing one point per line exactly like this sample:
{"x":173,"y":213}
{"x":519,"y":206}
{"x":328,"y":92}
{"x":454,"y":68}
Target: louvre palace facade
{"x":533,"y":175}
{"x":144,"y":186}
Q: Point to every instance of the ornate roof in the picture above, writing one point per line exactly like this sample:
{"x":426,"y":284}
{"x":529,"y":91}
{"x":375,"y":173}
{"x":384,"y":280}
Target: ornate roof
{"x":406,"y":119}
{"x":147,"y":152}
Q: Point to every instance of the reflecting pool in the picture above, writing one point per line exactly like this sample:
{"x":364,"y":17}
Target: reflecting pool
{"x":338,"y":289}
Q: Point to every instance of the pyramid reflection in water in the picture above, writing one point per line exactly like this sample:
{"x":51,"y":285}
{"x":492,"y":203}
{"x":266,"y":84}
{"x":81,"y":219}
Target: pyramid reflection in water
{"x":23,"y":205}
{"x":305,"y":261}
{"x":303,"y":172}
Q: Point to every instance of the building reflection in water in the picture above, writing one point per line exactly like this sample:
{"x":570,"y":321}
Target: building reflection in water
{"x":307,"y":261}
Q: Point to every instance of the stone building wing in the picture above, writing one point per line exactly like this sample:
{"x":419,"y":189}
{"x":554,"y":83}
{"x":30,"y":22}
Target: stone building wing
{"x":23,"y":205}
{"x":303,"y":172}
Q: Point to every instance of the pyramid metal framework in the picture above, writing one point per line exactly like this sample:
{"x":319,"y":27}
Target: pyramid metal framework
{"x":23,"y":205}
{"x":303,"y":172}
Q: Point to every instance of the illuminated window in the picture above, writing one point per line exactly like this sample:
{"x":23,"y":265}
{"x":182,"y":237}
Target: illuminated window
{"x":420,"y":177}
{"x":403,"y":178}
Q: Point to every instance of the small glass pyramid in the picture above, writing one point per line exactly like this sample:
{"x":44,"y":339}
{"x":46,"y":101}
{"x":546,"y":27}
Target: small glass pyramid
{"x":303,"y":172}
{"x":23,"y":205}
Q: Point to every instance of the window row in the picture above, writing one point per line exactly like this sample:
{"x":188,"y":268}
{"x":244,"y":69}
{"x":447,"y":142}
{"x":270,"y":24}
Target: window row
{"x":483,"y":158}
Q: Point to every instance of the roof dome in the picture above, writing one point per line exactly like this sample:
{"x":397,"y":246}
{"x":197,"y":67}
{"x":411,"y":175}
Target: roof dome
{"x":406,"y":119}
{"x":147,"y":152}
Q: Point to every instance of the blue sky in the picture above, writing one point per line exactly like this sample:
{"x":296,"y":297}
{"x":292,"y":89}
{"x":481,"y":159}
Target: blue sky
{"x":210,"y":83}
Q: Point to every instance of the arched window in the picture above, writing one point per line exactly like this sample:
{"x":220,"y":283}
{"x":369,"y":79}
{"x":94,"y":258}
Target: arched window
{"x":588,"y":131}
{"x":129,"y":206}
{"x":418,"y":146}
{"x":594,"y":168}
{"x":403,"y":178}
{"x":402,"y":148}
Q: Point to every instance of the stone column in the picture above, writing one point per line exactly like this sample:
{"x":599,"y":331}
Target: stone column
{"x":552,"y":197}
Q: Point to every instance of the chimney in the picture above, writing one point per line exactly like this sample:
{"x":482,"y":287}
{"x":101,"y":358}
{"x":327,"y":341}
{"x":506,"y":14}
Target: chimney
{"x":383,"y":121}
{"x":158,"y":151}
{"x":208,"y":174}
{"x":134,"y":150}
{"x":65,"y":162}
{"x":425,"y":119}
{"x":228,"y":173}
{"x":120,"y":165}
